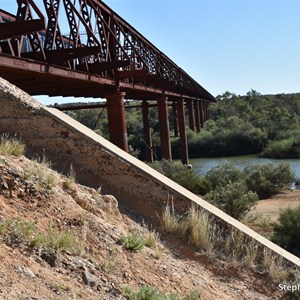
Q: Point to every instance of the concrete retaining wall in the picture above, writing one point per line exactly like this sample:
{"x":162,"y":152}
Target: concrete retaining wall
{"x":97,"y":162}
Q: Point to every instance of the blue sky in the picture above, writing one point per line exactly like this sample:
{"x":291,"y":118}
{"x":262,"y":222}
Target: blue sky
{"x":225,"y":45}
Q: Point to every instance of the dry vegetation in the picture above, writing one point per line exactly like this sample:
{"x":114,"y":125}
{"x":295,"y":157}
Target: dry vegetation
{"x":202,"y":232}
{"x":60,"y":240}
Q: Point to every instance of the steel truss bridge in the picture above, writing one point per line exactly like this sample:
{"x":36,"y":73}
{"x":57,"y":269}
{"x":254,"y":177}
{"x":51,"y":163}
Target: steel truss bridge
{"x":82,"y":48}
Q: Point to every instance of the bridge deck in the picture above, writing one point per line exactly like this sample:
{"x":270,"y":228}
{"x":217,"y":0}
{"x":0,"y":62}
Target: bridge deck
{"x":101,"y":53}
{"x":38,"y":78}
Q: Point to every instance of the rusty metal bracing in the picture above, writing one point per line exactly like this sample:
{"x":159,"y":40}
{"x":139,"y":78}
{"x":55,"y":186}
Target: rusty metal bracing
{"x":87,"y":36}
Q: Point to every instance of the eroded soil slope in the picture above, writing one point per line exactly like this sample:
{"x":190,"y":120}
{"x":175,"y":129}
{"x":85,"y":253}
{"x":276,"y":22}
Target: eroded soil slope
{"x":96,"y":265}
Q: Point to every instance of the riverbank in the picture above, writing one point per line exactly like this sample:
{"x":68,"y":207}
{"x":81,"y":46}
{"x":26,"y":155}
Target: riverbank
{"x":202,"y":165}
{"x":266,"y":213}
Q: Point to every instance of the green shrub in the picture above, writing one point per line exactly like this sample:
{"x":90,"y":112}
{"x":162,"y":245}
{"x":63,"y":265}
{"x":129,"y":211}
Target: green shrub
{"x":38,"y":240}
{"x":223,"y":174}
{"x":11,"y":146}
{"x":268,"y":179}
{"x":133,"y":242}
{"x":60,"y":240}
{"x":23,"y":229}
{"x":182,"y":175}
{"x":287,"y":230}
{"x":234,"y":198}
{"x":286,"y":148}
{"x":5,"y":226}
{"x":227,"y":139}
{"x":152,"y":293}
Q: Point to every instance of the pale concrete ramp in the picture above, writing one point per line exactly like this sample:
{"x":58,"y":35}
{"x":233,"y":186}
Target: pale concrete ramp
{"x":97,"y":162}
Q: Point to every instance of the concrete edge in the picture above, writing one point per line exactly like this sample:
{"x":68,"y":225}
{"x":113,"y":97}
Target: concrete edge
{"x":166,"y":182}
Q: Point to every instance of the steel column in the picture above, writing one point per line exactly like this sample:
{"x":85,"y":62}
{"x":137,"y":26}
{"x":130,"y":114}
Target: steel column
{"x":207,"y":112}
{"x":147,"y":132}
{"x":182,"y":130}
{"x":201,"y":113}
{"x":163,"y":117}
{"x":116,"y":120}
{"x":175,"y":118}
{"x":190,"y":106}
{"x":197,"y":116}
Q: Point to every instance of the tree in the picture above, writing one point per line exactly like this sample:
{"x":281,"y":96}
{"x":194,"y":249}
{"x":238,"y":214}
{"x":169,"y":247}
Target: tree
{"x":268,"y":179}
{"x":287,"y":230}
{"x":234,"y":198}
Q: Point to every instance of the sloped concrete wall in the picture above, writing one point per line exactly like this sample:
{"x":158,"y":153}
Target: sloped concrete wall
{"x":97,"y":162}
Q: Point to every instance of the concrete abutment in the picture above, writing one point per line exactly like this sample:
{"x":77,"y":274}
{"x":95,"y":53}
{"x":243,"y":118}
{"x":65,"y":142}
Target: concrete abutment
{"x":97,"y":162}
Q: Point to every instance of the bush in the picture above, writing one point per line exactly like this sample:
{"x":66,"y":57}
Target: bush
{"x":268,"y":179}
{"x":60,"y":240}
{"x":234,"y":199}
{"x":145,"y":293}
{"x":26,"y":232}
{"x":152,"y":293}
{"x":287,"y":231}
{"x":133,"y":242}
{"x":287,"y":148}
{"x":182,"y":175}
{"x":223,"y":174}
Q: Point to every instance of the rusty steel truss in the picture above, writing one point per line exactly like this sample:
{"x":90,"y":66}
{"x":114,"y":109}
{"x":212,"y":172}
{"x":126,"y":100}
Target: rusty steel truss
{"x":49,"y":49}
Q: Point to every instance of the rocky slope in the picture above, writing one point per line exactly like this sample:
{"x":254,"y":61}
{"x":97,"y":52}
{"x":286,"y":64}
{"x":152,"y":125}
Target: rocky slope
{"x":38,"y":205}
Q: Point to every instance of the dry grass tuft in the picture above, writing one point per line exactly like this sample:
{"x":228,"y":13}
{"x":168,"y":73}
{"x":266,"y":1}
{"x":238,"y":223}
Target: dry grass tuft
{"x":11,"y":146}
{"x":198,"y":228}
{"x":40,"y":173}
{"x":230,"y":245}
{"x":170,"y":219}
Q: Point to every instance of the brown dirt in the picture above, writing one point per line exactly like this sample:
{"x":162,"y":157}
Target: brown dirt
{"x":271,"y":207}
{"x":263,"y":217}
{"x":96,"y":219}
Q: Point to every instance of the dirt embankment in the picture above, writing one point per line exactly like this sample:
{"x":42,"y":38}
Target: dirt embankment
{"x":97,"y":266}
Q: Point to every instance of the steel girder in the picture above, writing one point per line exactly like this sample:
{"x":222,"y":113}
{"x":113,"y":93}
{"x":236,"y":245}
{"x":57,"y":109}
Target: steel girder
{"x":97,"y":41}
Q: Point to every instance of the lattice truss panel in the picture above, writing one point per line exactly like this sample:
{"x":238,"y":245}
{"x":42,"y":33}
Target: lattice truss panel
{"x":87,"y":35}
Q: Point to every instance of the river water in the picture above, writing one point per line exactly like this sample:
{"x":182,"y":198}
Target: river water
{"x":203,"y":165}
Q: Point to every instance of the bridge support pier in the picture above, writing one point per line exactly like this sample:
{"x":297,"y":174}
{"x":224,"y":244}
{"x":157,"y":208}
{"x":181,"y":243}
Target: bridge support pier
{"x":206,"y":115}
{"x":163,"y":118}
{"x":207,"y":110}
{"x":190,"y":107}
{"x":182,"y":132}
{"x":117,"y":120}
{"x":175,"y":118}
{"x":147,"y":132}
{"x":197,"y":115}
{"x":202,"y":117}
